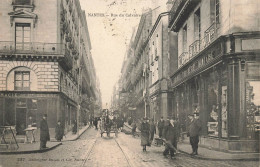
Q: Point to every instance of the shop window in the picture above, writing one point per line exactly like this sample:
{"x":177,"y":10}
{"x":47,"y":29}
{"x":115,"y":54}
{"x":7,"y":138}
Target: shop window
{"x":253,"y":108}
{"x":224,"y":111}
{"x":22,"y":80}
{"x":212,"y":110}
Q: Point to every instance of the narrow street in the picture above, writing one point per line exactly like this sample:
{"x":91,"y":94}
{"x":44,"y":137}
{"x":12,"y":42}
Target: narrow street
{"x":90,"y":150}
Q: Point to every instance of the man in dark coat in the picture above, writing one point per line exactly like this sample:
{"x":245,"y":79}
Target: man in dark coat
{"x":145,"y":129}
{"x":59,"y":132}
{"x":194,"y":131}
{"x":44,"y":132}
{"x":170,"y":135}
{"x":160,"y":127}
{"x":152,"y":130}
{"x":74,"y":128}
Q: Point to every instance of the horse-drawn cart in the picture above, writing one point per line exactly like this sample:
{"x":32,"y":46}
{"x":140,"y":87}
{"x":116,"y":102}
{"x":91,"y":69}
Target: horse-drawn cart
{"x":108,"y":126}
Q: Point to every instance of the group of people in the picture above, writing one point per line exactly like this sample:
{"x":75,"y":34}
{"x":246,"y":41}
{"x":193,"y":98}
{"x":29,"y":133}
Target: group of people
{"x":169,"y":133}
{"x":44,"y":132}
{"x":97,"y":121}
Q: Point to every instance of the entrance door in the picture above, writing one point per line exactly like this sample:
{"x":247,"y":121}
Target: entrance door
{"x":20,"y":121}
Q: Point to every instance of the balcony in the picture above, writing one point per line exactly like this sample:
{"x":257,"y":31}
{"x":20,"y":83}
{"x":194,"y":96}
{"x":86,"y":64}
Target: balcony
{"x":183,"y":59}
{"x":210,"y":35}
{"x":180,"y":12}
{"x":194,"y":48}
{"x":67,"y":61}
{"x":10,"y":49}
{"x":30,"y":48}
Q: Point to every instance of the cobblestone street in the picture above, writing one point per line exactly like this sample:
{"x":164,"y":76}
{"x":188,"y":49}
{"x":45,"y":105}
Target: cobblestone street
{"x":92,"y":150}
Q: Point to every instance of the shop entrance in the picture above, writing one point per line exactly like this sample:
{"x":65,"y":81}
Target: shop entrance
{"x":20,"y":120}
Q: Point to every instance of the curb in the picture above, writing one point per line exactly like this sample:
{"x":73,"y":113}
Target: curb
{"x":30,"y":151}
{"x":77,"y":136}
{"x":213,"y":159}
{"x":74,"y":138}
{"x":40,"y":151}
{"x":218,"y":159}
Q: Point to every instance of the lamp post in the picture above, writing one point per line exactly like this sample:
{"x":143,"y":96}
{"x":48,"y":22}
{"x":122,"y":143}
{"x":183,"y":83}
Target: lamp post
{"x":145,"y":110}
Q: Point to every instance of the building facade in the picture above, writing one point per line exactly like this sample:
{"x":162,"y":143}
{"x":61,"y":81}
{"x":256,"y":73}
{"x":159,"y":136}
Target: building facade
{"x":44,"y":47}
{"x":218,"y":70}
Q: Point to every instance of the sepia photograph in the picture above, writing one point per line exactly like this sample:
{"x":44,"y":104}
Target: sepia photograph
{"x":129,"y":83}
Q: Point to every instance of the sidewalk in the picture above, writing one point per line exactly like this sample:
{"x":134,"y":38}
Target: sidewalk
{"x":27,"y":148}
{"x":209,"y":154}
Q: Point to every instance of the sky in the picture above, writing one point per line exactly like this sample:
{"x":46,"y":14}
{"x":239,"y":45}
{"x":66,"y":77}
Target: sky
{"x":110,"y":31}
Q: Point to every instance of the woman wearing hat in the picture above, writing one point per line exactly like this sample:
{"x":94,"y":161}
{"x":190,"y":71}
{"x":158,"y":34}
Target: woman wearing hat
{"x":145,"y":129}
{"x":59,"y":132}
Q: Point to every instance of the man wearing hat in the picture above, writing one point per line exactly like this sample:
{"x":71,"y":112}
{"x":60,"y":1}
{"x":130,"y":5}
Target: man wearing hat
{"x":170,"y":135}
{"x":160,"y":127}
{"x":145,"y":130}
{"x":44,"y":132}
{"x":194,"y":131}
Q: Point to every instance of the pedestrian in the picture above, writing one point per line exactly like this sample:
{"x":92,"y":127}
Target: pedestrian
{"x":95,"y":122}
{"x":74,"y":128}
{"x":44,"y":132}
{"x":99,"y":123}
{"x":121,"y":123}
{"x":170,"y":135}
{"x":160,"y":127}
{"x":194,"y":131}
{"x":91,"y":121}
{"x":130,"y":120}
{"x":133,"y":125}
{"x":145,"y":129}
{"x":59,"y":131}
{"x":152,"y":130}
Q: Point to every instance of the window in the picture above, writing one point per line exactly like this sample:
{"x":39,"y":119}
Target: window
{"x":197,"y":26}
{"x":214,"y":11}
{"x":22,"y":36}
{"x":22,"y":2}
{"x":22,"y":80}
{"x":217,"y":11}
{"x":184,"y":42}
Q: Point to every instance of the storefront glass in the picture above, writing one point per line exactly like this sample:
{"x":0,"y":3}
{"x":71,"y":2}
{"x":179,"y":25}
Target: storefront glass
{"x":253,"y":108}
{"x":213,"y":105}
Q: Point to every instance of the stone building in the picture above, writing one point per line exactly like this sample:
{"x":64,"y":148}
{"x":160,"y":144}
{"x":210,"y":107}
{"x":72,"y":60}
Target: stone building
{"x":45,"y":62}
{"x":160,"y":43}
{"x":134,"y":78}
{"x":218,"y":70}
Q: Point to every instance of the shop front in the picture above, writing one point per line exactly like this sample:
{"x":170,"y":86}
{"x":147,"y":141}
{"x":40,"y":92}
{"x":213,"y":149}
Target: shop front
{"x":20,"y":109}
{"x":225,"y":89}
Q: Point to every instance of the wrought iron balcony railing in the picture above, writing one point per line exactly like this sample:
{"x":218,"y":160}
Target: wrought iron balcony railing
{"x":183,"y":58}
{"x":210,"y":35}
{"x":194,"y":48}
{"x":175,"y":10}
{"x":10,"y":47}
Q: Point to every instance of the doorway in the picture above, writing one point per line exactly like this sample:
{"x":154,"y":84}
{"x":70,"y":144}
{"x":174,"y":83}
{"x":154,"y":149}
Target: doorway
{"x":20,"y":121}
